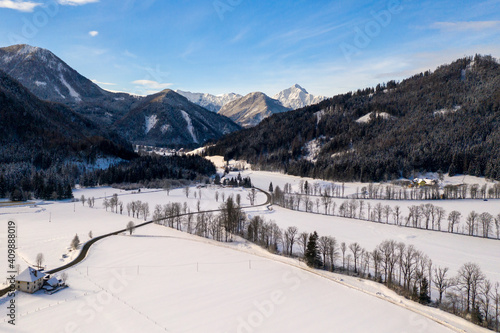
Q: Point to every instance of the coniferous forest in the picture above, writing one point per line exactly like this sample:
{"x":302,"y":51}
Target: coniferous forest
{"x":46,"y":148}
{"x":447,"y":120}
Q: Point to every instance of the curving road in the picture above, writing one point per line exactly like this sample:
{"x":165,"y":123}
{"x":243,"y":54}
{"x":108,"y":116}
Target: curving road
{"x":86,"y":247}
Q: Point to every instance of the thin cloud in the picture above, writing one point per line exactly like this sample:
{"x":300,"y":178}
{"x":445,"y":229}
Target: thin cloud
{"x":239,"y":36}
{"x":22,"y":6}
{"x":76,"y":2}
{"x":93,"y":33}
{"x":466,"y":25}
{"x":103,"y":83}
{"x":129,"y":54}
{"x":149,"y":84}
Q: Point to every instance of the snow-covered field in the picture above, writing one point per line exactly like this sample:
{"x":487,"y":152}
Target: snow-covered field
{"x":49,"y":227}
{"x":164,"y":280}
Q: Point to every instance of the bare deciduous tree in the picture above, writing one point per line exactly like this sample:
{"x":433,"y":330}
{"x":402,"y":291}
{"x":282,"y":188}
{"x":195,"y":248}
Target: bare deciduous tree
{"x":302,"y":240}
{"x":440,"y":281}
{"x":39,"y":260}
{"x":356,"y":251}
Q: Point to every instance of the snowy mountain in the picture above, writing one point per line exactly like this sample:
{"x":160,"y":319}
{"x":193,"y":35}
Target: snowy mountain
{"x":45,"y":75}
{"x":210,"y":102}
{"x":169,"y":119}
{"x":51,"y":79}
{"x":297,"y":97}
{"x":251,"y":109}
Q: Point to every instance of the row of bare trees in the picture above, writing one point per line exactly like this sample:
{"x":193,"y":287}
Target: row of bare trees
{"x":137,"y":208}
{"x":399,"y":190}
{"x":425,"y":216}
{"x":221,"y":226}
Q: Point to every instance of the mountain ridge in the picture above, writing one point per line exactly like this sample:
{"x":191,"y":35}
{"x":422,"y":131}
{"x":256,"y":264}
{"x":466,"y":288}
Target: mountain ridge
{"x":211,"y":102}
{"x":160,"y":117}
{"x":51,"y":79}
{"x":251,"y":109}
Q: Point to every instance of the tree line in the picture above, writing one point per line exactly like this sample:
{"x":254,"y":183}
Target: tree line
{"x":21,"y":181}
{"x":424,"y":216}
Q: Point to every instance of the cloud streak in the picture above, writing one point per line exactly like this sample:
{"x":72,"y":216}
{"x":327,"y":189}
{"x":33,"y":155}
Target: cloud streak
{"x":22,"y":6}
{"x":466,"y":25}
{"x":76,"y":2}
{"x":93,"y":33}
{"x":103,"y":83}
{"x":149,"y":84}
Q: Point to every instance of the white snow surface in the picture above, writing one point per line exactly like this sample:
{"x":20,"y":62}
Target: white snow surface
{"x":140,"y":283}
{"x":72,"y":91}
{"x":59,"y":92}
{"x":160,"y":279}
{"x":40,"y":83}
{"x":189,"y":127}
{"x":211,"y":102}
{"x":447,"y":110}
{"x":366,"y":118}
{"x":313,"y":148}
{"x":164,"y":128}
{"x":150,"y":122}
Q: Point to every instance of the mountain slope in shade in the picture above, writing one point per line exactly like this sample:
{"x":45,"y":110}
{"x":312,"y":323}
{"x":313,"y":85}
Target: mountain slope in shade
{"x":32,"y":128}
{"x":297,"y":97}
{"x":51,"y":79}
{"x":250,"y":110}
{"x":169,"y":119}
{"x":210,"y":102}
{"x":45,"y":75}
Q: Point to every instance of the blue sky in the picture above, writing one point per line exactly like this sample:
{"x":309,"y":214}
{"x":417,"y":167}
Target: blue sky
{"x":241,"y":46}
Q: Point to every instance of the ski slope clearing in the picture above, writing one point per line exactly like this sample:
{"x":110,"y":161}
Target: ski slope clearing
{"x":162,"y":280}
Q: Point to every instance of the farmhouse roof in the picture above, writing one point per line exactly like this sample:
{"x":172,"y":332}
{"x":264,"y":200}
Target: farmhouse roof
{"x":30,"y":275}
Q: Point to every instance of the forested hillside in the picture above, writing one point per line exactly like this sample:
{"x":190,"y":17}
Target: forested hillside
{"x":39,"y":139}
{"x":46,"y":148}
{"x":446,"y":120}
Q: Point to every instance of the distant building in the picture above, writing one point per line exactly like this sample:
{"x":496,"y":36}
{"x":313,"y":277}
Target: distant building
{"x":30,"y":280}
{"x":424,"y":182}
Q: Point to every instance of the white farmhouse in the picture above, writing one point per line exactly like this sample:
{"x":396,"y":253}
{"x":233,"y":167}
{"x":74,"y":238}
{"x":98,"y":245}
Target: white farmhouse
{"x":30,"y":280}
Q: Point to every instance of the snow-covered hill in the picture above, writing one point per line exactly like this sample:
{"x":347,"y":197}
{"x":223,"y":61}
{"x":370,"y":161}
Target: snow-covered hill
{"x":297,"y":97}
{"x":208,"y":101}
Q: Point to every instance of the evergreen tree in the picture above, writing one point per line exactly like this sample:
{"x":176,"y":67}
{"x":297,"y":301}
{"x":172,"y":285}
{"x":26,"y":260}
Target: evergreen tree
{"x":424,"y":292}
{"x":75,"y":242}
{"x":271,"y":189}
{"x":312,"y":255}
